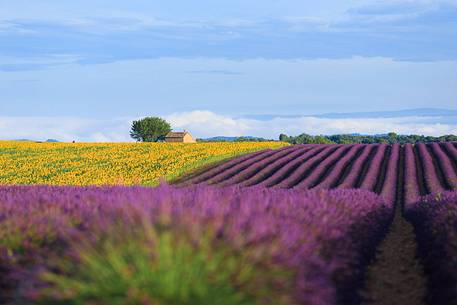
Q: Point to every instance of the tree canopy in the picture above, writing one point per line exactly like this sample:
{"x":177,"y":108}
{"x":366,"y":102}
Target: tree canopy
{"x":149,"y":129}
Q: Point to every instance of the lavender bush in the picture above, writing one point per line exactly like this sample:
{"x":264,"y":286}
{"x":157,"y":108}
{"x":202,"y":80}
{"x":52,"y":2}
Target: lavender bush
{"x":435,"y":221}
{"x":197,"y":245}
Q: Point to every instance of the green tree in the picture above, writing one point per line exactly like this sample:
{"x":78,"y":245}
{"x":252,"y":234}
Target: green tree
{"x":283,"y":138}
{"x":393,"y":137}
{"x":149,"y":129}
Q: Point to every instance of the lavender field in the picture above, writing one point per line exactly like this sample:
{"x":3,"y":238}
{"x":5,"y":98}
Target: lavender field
{"x":417,"y":170}
{"x":300,"y":225}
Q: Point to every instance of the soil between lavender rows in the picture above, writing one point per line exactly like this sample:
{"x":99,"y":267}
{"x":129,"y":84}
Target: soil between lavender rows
{"x":396,"y":276}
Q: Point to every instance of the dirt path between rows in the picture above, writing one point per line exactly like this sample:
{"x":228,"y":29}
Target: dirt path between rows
{"x":396,"y":276}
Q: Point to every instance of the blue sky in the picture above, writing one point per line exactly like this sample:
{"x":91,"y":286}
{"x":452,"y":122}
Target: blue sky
{"x":111,"y":61}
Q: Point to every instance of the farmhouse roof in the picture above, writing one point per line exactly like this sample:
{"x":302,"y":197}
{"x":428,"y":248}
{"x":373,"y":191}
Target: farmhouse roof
{"x":176,"y":134}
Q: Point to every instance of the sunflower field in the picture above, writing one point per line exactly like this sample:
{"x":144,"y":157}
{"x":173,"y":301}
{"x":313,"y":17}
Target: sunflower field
{"x":111,"y":163}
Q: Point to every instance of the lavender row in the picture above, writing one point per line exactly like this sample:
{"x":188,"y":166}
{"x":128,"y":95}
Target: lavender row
{"x":270,"y":169}
{"x":390,"y":183}
{"x":225,"y":166}
{"x":411,"y":184}
{"x":292,"y":166}
{"x":374,"y":168}
{"x":434,"y":218}
{"x":432,"y":180}
{"x":240,"y":166}
{"x":299,"y":172}
{"x":449,"y":172}
{"x":258,"y":166}
{"x":452,"y":150}
{"x":356,"y":169}
{"x":250,"y":245}
{"x":337,"y":169}
{"x":312,"y":179}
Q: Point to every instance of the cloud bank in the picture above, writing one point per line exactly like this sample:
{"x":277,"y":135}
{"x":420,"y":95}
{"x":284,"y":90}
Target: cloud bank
{"x":65,"y":129}
{"x":208,"y":124}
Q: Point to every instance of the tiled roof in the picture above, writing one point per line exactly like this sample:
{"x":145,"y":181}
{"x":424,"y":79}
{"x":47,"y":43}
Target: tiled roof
{"x":176,"y":134}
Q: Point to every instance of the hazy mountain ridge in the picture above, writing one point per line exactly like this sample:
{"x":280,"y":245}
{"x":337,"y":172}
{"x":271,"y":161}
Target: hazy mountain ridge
{"x":418,"y":112}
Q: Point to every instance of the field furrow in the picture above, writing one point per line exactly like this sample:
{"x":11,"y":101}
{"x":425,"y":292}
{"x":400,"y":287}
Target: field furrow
{"x":376,"y":168}
{"x":288,"y":169}
{"x":412,"y":180}
{"x":305,"y":168}
{"x":388,"y":184}
{"x":446,"y":168}
{"x":334,"y":174}
{"x":356,"y":172}
{"x":270,"y":169}
{"x":320,"y":170}
{"x":431,"y":170}
{"x":230,"y":172}
{"x":254,"y":168}
{"x":451,"y":151}
{"x":217,"y":169}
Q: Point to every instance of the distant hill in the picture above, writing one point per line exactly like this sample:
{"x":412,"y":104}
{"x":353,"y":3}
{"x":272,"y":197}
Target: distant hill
{"x":422,"y":112}
{"x":28,"y":140}
{"x":219,"y":138}
{"x":232,"y":139}
{"x":419,"y":112}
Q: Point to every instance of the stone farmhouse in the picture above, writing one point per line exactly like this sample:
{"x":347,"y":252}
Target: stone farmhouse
{"x":179,"y":137}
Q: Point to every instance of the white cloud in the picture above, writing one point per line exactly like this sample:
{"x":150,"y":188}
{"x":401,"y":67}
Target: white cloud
{"x":207,"y":124}
{"x":64,"y":129}
{"x":204,"y":124}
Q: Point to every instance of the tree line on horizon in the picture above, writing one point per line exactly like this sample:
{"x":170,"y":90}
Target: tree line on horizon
{"x":390,"y":138}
